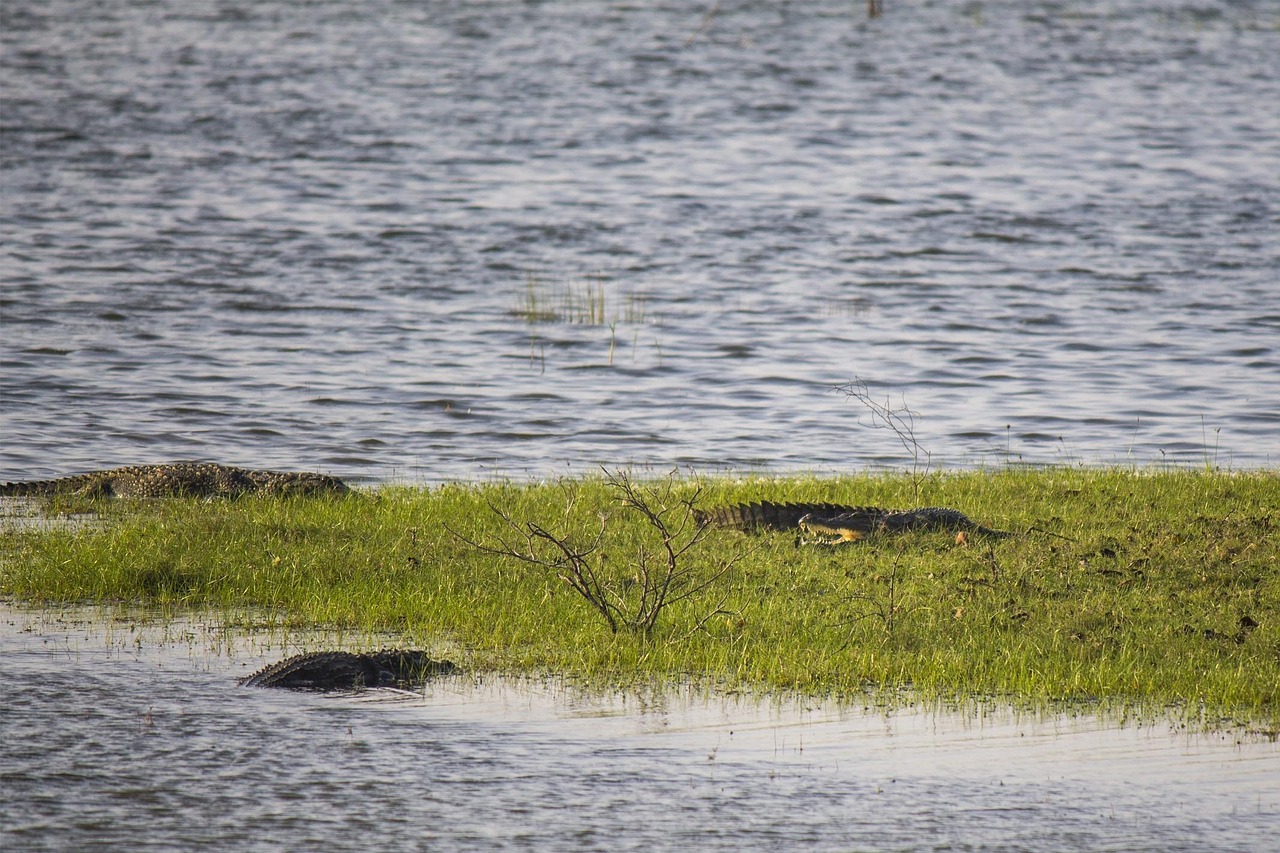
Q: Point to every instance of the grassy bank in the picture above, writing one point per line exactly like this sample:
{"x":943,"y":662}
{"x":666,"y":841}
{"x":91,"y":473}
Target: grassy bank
{"x":1136,"y":590}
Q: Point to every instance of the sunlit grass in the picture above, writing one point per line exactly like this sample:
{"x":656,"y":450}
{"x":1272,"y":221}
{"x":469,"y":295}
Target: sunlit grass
{"x":1139,"y":590}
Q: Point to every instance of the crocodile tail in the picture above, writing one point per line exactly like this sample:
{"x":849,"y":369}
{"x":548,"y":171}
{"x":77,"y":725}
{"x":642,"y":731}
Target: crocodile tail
{"x":84,"y":485}
{"x":348,"y":670}
{"x":765,"y":515}
{"x":37,"y":488}
{"x":262,"y":676}
{"x":276,"y":672}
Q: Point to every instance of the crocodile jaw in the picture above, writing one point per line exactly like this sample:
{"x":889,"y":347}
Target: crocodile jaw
{"x":828,"y":535}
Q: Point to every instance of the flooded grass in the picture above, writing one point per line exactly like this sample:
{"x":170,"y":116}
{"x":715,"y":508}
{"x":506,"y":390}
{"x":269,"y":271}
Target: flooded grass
{"x":96,"y":695}
{"x":1138,"y":592}
{"x":585,"y":301}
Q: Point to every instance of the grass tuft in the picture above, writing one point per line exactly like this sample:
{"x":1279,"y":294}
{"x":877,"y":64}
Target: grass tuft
{"x":582,"y":301}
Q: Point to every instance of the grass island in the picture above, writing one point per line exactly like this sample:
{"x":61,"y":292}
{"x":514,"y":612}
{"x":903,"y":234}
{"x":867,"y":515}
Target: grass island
{"x":1139,"y":592}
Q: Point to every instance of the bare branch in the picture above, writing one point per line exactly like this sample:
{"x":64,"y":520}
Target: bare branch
{"x":662,"y":574}
{"x":901,"y":420}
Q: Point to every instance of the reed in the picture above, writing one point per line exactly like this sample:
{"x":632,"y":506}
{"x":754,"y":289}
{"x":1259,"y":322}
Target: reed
{"x":587,"y":301}
{"x":1151,"y":592}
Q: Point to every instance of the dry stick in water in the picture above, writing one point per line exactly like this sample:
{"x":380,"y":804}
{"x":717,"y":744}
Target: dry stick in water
{"x":706,"y":22}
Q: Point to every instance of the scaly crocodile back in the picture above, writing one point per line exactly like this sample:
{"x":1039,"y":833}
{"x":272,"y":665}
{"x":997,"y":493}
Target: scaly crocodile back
{"x":765,"y":515}
{"x":867,"y":520}
{"x":327,"y":671}
{"x":856,"y":521}
{"x":178,"y":479}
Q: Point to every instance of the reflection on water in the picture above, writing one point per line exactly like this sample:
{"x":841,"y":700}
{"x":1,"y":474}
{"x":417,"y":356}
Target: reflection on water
{"x":298,"y":235}
{"x":119,"y":735}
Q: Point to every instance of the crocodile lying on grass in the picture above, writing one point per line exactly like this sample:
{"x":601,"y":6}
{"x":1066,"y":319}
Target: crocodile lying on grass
{"x":330,"y":671}
{"x":179,"y":479}
{"x":837,"y":523}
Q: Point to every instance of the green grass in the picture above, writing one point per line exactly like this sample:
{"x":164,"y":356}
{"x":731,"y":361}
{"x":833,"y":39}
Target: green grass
{"x":1158,"y":594}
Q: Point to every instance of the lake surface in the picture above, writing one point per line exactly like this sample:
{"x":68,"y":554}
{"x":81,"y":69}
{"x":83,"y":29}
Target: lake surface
{"x":306,"y":235}
{"x":121,"y":733}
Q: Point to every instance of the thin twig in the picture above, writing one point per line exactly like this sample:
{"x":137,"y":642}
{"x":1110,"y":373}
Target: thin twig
{"x":901,"y":420}
{"x":662,"y":575}
{"x":706,"y":23}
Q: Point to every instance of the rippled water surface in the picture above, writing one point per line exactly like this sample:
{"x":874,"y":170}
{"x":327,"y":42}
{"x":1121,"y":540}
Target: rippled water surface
{"x":431,"y":240}
{"x":155,"y":748}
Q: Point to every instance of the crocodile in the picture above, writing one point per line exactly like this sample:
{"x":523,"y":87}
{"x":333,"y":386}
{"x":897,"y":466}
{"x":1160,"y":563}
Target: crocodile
{"x":863,"y":521}
{"x":765,"y":515}
{"x":179,"y":479}
{"x":331,"y":671}
{"x":838,"y":522}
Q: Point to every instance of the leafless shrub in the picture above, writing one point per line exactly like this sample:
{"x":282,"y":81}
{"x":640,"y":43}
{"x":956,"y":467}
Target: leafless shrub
{"x":663,"y":572}
{"x":888,"y":608}
{"x":901,"y":419}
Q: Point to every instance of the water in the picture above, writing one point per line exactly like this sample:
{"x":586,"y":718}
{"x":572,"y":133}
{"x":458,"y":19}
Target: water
{"x":300,"y":235}
{"x":132,"y":735}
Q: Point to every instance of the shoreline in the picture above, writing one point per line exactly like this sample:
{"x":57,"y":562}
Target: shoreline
{"x":1149,"y":593}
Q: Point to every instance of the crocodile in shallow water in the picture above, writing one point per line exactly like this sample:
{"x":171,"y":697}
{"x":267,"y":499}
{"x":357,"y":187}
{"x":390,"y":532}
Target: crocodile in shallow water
{"x":329,"y":671}
{"x":179,"y":479}
{"x":840,"y":523}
